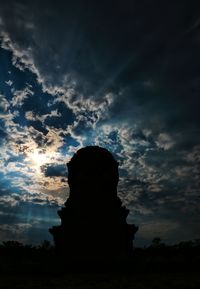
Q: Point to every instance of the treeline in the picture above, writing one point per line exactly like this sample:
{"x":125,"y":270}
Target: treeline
{"x":157,"y":257}
{"x":156,"y":245}
{"x":183,"y":256}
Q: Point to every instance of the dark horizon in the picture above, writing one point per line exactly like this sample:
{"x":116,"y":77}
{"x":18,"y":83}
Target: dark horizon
{"x":123,"y":75}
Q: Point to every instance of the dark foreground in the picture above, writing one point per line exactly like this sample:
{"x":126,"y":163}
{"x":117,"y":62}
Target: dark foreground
{"x":158,"y":266}
{"x":188,"y":280}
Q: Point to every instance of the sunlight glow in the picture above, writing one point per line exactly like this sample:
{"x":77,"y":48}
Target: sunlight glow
{"x":38,"y":158}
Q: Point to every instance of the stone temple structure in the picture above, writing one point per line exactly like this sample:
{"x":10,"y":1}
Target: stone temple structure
{"x":93,"y":220}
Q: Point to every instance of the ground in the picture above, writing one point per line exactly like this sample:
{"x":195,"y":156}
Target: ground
{"x":190,"y":280}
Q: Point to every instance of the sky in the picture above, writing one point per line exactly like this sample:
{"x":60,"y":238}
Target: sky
{"x":124,"y":75}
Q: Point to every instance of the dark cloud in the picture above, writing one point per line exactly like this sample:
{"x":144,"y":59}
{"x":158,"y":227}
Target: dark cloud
{"x":54,"y":170}
{"x":2,"y":135}
{"x":146,"y":51}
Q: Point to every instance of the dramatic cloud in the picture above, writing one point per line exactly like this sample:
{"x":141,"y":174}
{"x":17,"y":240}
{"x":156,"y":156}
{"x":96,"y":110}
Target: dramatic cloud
{"x":121,"y":75}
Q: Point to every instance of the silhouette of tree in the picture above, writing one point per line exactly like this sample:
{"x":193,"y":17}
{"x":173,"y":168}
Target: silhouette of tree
{"x":45,"y":245}
{"x":12,"y":244}
{"x":156,"y":242}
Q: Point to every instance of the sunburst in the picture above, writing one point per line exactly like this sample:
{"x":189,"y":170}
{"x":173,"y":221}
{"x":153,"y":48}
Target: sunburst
{"x":37,"y":159}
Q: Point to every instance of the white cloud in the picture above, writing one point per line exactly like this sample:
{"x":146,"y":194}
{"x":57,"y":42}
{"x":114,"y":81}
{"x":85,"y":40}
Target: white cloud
{"x":164,"y":141}
{"x":21,"y":58}
{"x":4,"y":104}
{"x":34,"y":117}
{"x":20,"y":95}
{"x":9,"y":82}
{"x":9,"y":200}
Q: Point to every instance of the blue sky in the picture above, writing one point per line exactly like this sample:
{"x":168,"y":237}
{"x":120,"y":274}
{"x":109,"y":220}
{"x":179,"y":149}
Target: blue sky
{"x":124,"y":76}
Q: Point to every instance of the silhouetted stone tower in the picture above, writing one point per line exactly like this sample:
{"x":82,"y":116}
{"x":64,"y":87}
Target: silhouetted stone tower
{"x":93,"y":221}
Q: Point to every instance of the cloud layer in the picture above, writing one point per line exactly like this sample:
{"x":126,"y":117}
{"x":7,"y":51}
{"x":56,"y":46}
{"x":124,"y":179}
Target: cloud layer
{"x":120,"y":75}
